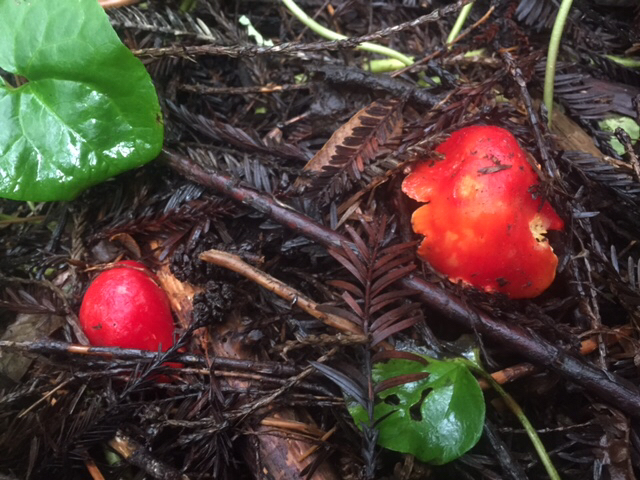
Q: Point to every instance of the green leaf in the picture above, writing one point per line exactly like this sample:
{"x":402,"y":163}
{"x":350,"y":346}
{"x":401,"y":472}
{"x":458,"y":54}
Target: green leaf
{"x":88,"y":110}
{"x":436,"y":419}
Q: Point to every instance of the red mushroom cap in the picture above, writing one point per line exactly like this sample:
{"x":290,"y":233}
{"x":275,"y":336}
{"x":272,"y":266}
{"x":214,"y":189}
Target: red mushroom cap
{"x":482,"y":223}
{"x":124,"y":307}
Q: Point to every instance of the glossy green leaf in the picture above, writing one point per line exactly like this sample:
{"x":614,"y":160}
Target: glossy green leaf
{"x":436,"y":419}
{"x":88,"y":109}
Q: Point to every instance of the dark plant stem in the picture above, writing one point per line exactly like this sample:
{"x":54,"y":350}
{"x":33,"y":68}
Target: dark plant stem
{"x":611,"y":388}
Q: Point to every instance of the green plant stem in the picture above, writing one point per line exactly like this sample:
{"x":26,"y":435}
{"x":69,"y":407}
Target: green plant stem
{"x":382,"y":65}
{"x":331,"y":35}
{"x":552,"y":54}
{"x":517,"y":411}
{"x":624,"y":61}
{"x":457,"y":27}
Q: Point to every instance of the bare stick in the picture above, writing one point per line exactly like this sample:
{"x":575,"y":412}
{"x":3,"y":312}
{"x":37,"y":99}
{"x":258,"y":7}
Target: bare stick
{"x":236,"y":264}
{"x":94,"y":471}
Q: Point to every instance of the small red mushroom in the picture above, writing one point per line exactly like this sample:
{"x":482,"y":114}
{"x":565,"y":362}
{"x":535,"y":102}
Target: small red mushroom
{"x":482,"y":223}
{"x":124,"y":307}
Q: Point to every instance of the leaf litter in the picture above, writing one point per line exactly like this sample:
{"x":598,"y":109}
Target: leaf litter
{"x":238,"y":137}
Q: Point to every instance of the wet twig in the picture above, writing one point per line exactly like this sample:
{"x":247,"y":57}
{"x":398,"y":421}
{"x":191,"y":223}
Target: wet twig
{"x":53,"y":347}
{"x":137,"y":455}
{"x":236,"y":264}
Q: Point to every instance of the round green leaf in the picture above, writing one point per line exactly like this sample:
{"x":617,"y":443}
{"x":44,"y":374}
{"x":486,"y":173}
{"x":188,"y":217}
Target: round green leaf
{"x":88,"y":109}
{"x":437,"y":419}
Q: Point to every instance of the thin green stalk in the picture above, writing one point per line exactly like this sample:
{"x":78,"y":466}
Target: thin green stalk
{"x":552,"y":55}
{"x":382,"y":65}
{"x":624,"y":61}
{"x":517,"y":411}
{"x":331,"y":35}
{"x":457,"y":27}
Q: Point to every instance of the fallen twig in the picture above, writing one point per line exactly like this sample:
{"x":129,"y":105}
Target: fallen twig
{"x":137,"y":455}
{"x":236,"y":264}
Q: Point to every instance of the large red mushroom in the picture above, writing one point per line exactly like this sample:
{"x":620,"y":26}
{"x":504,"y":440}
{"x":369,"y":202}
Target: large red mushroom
{"x":483,"y":222}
